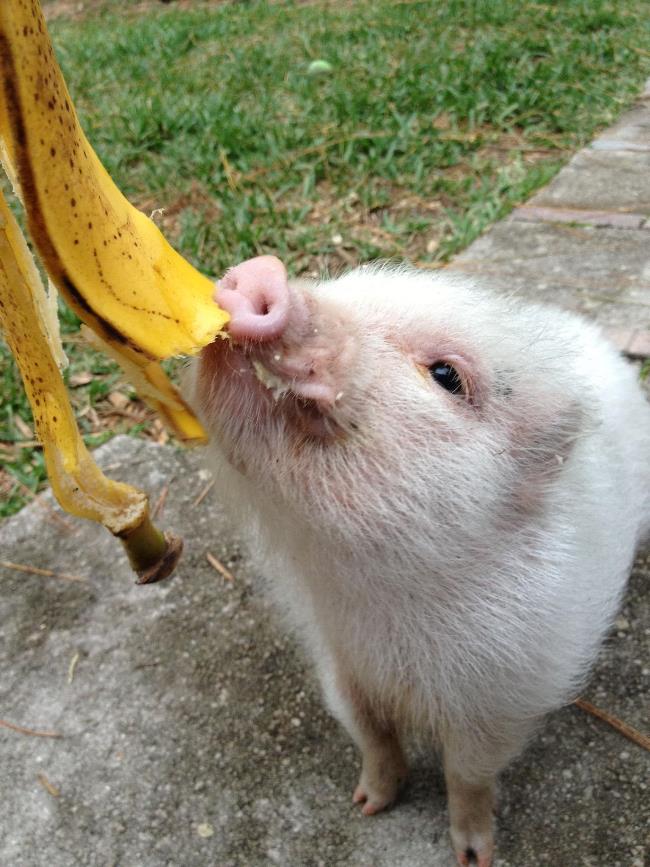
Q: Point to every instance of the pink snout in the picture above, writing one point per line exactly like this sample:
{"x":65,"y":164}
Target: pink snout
{"x":256,"y":294}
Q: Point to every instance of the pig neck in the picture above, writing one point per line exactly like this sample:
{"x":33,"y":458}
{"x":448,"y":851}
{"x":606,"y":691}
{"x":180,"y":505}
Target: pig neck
{"x":407,"y":568}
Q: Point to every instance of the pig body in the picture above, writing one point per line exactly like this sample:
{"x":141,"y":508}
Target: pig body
{"x":446,"y":490}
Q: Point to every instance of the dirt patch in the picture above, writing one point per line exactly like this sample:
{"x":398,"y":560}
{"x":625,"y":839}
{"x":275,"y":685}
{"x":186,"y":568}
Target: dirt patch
{"x":78,"y":9}
{"x":74,"y":9}
{"x":167,"y":213}
{"x":365,"y":224}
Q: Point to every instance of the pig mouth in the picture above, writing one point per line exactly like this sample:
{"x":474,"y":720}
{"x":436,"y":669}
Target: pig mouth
{"x":280,"y":385}
{"x":306,"y":404}
{"x":262,"y":382}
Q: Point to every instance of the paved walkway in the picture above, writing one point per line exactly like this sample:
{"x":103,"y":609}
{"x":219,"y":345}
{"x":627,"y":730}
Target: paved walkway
{"x":584,"y":240}
{"x":191,"y":733}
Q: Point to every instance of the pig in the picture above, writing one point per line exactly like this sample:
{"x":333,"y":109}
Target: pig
{"x":446,"y":488}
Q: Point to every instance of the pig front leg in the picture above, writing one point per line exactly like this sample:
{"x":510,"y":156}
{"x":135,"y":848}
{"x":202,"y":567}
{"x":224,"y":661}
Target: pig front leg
{"x":470,"y":817}
{"x":383,"y":769}
{"x":383,"y":766}
{"x":471,"y":764}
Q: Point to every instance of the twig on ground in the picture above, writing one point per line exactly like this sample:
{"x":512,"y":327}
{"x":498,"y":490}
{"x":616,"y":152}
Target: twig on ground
{"x":72,"y":666}
{"x":134,"y":415}
{"x":219,"y":567}
{"x":154,"y":664}
{"x":431,"y":266}
{"x":22,"y":444}
{"x":160,"y":502}
{"x":47,"y":785}
{"x":54,"y":516}
{"x":36,"y":570}
{"x":230,"y":173}
{"x":204,"y":493}
{"x":25,"y":731}
{"x":622,"y":727}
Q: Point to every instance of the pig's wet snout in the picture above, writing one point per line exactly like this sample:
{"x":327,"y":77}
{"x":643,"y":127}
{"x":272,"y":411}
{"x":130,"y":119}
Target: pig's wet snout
{"x":256,"y":295}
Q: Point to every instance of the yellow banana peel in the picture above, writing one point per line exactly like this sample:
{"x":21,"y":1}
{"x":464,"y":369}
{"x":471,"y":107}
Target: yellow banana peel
{"x":78,"y":484}
{"x":154,"y":387}
{"x":142,"y":300}
{"x":109,"y":261}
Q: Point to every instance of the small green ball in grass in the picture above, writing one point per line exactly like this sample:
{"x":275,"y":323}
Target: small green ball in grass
{"x":319,"y":67}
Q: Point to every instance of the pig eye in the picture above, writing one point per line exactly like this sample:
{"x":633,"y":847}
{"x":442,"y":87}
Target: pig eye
{"x":447,"y":376}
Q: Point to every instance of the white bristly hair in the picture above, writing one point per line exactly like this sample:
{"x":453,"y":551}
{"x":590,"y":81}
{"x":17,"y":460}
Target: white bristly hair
{"x":461,"y":557}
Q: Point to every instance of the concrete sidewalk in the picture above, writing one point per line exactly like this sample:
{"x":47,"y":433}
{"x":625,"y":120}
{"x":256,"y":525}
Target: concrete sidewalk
{"x":191,"y":732}
{"x":583,"y":242}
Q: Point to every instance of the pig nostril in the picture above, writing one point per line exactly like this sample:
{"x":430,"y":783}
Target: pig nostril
{"x":256,"y":295}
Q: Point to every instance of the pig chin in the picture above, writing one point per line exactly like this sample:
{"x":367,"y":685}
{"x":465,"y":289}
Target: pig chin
{"x":253,"y":393}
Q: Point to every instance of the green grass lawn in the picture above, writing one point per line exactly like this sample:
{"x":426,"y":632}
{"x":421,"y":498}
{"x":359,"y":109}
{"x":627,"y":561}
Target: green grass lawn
{"x":436,"y":118}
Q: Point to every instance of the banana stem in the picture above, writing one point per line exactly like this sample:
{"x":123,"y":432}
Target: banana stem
{"x":153,"y":555}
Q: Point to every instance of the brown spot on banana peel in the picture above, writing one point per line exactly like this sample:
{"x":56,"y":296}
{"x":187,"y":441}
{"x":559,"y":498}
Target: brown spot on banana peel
{"x":9,"y":85}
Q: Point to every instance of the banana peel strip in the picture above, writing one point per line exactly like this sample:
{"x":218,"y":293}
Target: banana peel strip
{"x":142,"y":300}
{"x":78,"y":484}
{"x":109,"y":261}
{"x":154,"y":387}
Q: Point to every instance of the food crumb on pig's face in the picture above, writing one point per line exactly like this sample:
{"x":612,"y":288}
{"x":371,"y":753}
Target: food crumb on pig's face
{"x":392,"y":392}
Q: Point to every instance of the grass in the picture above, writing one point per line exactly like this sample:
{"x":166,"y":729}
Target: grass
{"x":435,"y":120}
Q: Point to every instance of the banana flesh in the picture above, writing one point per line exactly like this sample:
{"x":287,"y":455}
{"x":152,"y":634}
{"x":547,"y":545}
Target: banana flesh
{"x":78,"y":484}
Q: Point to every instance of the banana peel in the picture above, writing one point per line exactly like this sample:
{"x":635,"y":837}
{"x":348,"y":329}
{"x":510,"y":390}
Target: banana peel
{"x":140,"y":298}
{"x":78,"y":484}
{"x":108,"y":260}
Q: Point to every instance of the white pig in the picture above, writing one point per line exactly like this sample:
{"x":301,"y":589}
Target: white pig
{"x":446,"y":488}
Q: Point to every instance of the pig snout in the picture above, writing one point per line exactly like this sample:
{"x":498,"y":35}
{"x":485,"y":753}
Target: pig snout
{"x":256,"y":295}
{"x":288,"y":356}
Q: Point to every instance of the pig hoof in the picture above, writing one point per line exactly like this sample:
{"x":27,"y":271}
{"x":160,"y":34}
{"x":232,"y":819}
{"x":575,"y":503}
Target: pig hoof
{"x":372,"y":801}
{"x":473,"y":849}
{"x":376,"y":793}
